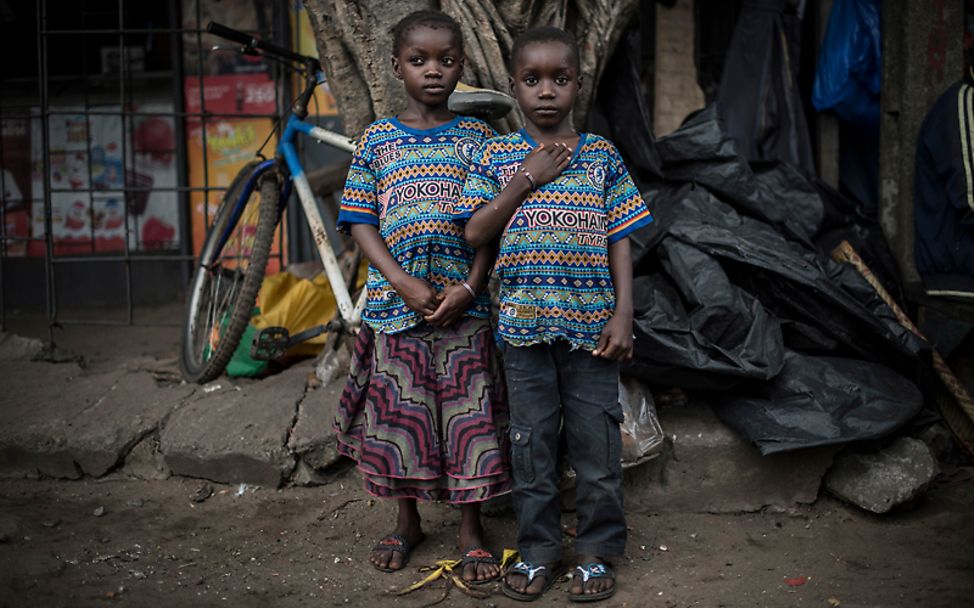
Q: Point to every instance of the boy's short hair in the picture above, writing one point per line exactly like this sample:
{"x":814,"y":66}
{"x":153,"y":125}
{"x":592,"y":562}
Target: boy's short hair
{"x":426,"y":18}
{"x":545,"y":34}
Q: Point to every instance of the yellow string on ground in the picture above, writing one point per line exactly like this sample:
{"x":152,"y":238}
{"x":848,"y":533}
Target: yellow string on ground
{"x":444,"y":568}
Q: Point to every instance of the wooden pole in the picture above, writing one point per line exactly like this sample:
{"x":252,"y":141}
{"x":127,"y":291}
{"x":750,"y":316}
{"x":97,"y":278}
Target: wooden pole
{"x":958,"y":414}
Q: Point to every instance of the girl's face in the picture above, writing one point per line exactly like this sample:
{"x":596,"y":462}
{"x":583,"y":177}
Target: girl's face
{"x":545,"y":82}
{"x":429,"y":64}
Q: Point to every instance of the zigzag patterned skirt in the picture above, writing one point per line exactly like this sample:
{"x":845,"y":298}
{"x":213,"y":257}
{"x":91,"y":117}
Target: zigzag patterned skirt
{"x":424,"y":413}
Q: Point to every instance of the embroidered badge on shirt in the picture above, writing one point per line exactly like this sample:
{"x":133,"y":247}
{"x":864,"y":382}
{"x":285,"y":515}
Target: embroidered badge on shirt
{"x":525,"y":312}
{"x":465,"y":149}
{"x":596,"y":175}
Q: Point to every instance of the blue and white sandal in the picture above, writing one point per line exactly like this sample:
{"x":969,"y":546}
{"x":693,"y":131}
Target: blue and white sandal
{"x":532,"y":572}
{"x":588,"y":572}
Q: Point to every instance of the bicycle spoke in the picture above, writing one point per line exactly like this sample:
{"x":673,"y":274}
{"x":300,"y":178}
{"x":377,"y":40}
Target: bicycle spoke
{"x":225,"y":289}
{"x":211,"y":319}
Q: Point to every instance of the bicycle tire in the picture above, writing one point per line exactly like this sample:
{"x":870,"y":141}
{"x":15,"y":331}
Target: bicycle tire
{"x":230,"y":318}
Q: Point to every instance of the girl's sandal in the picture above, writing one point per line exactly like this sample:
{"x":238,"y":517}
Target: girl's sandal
{"x":589,"y":571}
{"x":476,"y":556}
{"x":532,"y":572}
{"x":395,"y":543}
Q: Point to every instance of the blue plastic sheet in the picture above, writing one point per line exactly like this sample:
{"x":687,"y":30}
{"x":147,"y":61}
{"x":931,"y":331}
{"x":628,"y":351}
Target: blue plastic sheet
{"x":848,"y":76}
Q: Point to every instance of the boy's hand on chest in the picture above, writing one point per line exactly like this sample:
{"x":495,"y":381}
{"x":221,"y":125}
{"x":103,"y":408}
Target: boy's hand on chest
{"x":546,"y":162}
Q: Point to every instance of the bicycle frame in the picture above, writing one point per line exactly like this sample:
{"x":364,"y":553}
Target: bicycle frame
{"x":287,"y":158}
{"x":350,"y":314}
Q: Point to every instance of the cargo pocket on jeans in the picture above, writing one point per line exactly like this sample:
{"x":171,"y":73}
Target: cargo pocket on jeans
{"x":521,"y":460}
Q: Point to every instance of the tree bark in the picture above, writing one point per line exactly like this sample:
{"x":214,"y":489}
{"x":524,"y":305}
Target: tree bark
{"x":355,"y":44}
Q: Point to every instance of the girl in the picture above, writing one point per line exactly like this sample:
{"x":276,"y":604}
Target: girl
{"x":563,"y":204}
{"x":421,"y":413}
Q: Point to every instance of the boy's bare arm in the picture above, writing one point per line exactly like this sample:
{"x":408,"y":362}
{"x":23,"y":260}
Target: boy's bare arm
{"x":616,"y":339}
{"x":542,"y":165}
{"x":483,"y":261}
{"x":488,"y":221}
{"x":417,"y":293}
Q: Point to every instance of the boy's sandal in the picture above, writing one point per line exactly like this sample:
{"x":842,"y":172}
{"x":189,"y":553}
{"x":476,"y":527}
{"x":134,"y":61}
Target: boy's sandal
{"x":589,"y":571}
{"x":395,"y":543}
{"x":476,"y":556}
{"x":532,"y":572}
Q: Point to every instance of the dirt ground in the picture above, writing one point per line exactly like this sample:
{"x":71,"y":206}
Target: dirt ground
{"x":98,"y":543}
{"x":134,"y":543}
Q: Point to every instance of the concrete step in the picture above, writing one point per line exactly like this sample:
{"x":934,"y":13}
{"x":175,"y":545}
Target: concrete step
{"x":706,"y":467}
{"x":236,"y":432}
{"x":59,"y":421}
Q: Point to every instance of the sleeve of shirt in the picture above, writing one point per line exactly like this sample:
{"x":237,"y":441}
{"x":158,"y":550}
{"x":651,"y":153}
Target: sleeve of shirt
{"x":360,"y":198}
{"x":480,"y":187}
{"x":959,"y":174}
{"x":625,"y":207}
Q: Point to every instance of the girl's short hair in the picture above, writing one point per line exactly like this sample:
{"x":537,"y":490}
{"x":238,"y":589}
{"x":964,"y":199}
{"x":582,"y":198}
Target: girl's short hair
{"x":425,"y":18}
{"x":545,"y":34}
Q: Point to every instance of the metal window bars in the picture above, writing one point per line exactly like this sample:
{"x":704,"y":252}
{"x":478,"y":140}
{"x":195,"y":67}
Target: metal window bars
{"x":125,"y":80}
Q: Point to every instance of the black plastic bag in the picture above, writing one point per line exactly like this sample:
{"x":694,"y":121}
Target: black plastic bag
{"x":700,"y":152}
{"x":791,"y":280}
{"x":818,"y":401}
{"x":759,"y":100}
{"x":694,"y":328}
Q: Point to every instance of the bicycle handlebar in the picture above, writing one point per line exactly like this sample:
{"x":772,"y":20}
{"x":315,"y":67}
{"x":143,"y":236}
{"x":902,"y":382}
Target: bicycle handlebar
{"x":247,"y":40}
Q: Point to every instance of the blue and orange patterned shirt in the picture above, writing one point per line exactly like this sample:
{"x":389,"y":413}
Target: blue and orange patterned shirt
{"x":406,"y":182}
{"x":553,"y":263}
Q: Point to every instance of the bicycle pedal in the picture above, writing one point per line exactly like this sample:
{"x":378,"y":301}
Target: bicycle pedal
{"x":270,"y":343}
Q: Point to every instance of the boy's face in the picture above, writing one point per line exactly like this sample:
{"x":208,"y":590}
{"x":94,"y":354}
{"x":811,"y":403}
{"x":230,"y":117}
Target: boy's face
{"x":545,"y":82}
{"x":429,"y":64}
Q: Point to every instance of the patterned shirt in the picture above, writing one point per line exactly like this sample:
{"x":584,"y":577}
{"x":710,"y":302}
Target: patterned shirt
{"x":553,"y":263}
{"x":406,"y":182}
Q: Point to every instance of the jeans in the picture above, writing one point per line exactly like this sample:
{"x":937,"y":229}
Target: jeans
{"x":549,"y":384}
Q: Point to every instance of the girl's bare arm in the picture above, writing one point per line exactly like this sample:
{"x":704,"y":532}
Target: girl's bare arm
{"x":417,"y":293}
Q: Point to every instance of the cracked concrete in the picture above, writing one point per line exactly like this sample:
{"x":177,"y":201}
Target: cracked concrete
{"x":134,"y":420}
{"x":58,"y":421}
{"x":43,"y":406}
{"x":312,"y":440}
{"x":238,"y":432}
{"x":126,"y":414}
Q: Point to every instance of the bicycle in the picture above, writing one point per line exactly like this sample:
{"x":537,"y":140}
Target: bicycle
{"x":237,"y":246}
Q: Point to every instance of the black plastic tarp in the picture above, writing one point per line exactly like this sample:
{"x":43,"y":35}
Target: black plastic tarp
{"x":817,"y":401}
{"x":734,"y":291}
{"x":731,"y":295}
{"x":695,"y":328}
{"x":758,"y":98}
{"x":700,"y":152}
{"x":728,"y":270}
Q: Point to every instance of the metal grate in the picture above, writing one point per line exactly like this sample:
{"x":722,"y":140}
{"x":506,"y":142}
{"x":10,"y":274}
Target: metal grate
{"x":81,"y":220}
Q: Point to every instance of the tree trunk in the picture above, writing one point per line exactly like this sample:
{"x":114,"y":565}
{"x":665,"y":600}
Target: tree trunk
{"x":355,"y":44}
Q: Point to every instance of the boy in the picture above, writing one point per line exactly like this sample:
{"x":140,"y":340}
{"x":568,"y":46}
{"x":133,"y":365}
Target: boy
{"x":562,"y":204}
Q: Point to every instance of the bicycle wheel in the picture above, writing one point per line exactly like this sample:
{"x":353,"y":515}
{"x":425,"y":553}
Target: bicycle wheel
{"x":225,"y":284}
